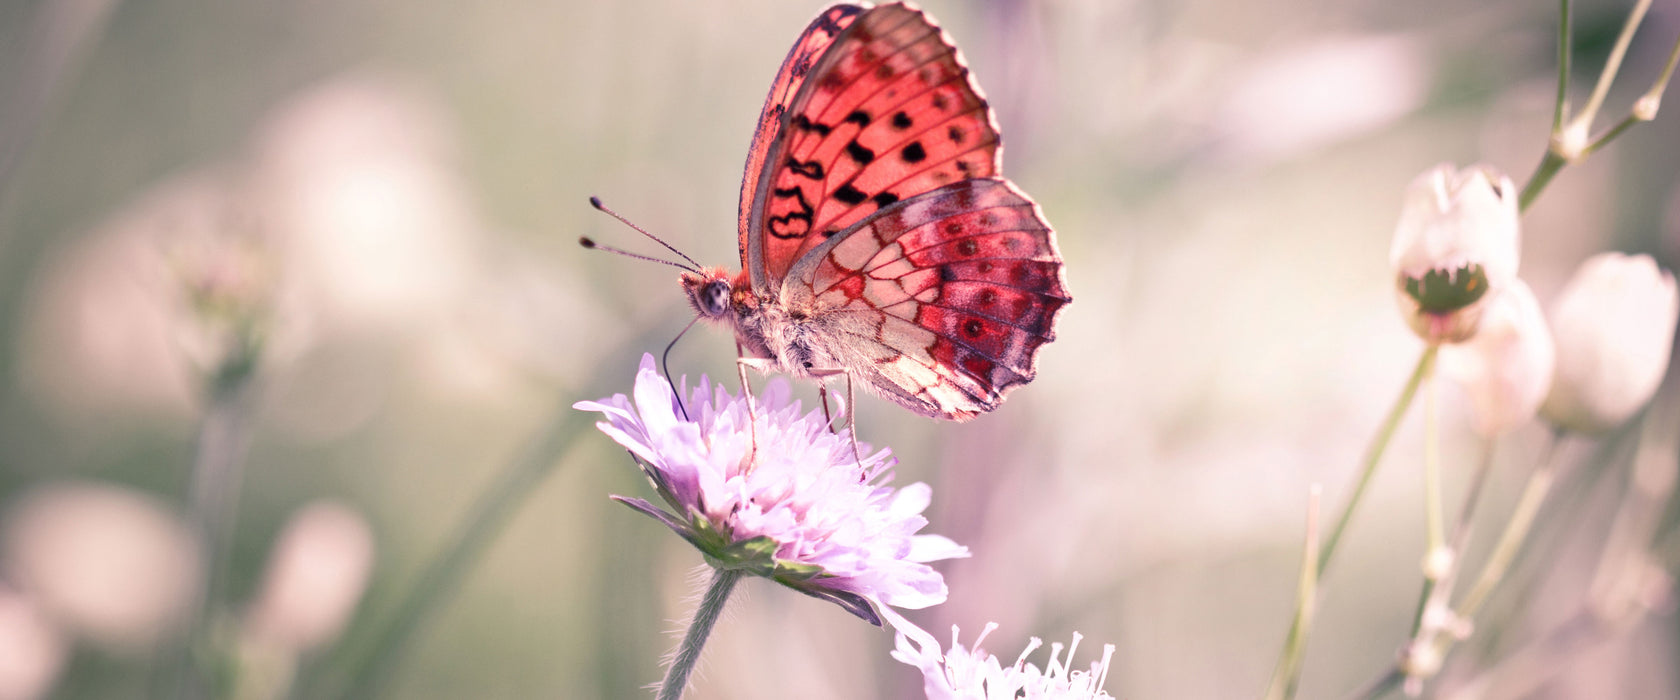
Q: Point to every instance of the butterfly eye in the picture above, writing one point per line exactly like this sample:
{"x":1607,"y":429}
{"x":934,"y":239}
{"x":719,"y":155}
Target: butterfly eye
{"x":714,"y":298}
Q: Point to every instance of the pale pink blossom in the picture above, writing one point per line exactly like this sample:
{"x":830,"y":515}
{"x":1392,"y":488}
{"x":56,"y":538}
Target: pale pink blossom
{"x":809,"y":509}
{"x":1507,"y":367}
{"x":1614,"y":324}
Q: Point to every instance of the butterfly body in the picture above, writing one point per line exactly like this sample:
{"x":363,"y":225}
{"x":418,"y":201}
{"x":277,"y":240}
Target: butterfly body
{"x":877,"y":240}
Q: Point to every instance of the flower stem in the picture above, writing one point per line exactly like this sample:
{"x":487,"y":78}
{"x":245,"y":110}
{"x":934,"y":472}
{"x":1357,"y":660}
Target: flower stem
{"x":1373,"y":456}
{"x":1654,"y":95}
{"x":217,"y":472}
{"x":1549,"y":166}
{"x":1569,"y":143}
{"x":1644,"y":108}
{"x":1434,"y":520}
{"x":1612,"y":65}
{"x":711,"y":605}
{"x":1287,"y":677}
{"x":1560,"y":110}
{"x":1514,"y":536}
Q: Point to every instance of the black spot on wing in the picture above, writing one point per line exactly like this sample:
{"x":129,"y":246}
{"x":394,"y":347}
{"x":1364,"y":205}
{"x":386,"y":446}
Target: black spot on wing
{"x":850,"y":195}
{"x":810,"y":169}
{"x":804,"y":123}
{"x":857,"y":152}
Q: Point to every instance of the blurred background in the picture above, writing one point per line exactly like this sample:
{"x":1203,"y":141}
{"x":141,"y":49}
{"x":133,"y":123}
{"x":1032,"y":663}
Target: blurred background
{"x":385,"y":197}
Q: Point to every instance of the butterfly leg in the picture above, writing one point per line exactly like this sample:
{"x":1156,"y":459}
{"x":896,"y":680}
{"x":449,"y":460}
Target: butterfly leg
{"x":763,"y":366}
{"x":822,"y":397}
{"x":851,"y":420}
{"x":849,"y":408}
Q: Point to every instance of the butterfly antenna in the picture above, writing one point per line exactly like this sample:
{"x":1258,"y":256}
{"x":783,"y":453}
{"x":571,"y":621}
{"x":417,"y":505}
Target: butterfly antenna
{"x":596,"y":202}
{"x":665,"y":366}
{"x":590,"y":243}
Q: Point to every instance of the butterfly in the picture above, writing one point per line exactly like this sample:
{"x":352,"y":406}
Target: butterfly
{"x":877,"y":239}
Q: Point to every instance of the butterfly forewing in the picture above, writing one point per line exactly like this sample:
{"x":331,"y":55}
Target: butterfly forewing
{"x":960,"y":287}
{"x":886,"y":113}
{"x":795,"y":68}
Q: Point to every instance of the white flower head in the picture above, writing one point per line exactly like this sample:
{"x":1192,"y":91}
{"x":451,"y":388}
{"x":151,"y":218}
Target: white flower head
{"x":805,"y":509}
{"x":1456,"y":243}
{"x":1614,"y":324}
{"x":974,"y":674}
{"x":1507,"y":367}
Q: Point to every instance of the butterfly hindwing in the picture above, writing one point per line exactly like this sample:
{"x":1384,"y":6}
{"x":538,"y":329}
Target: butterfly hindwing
{"x":887,"y":112}
{"x":958,"y":287}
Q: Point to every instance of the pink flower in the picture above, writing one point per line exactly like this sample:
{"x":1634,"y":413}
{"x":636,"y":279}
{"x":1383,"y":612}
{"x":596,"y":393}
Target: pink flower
{"x":807,"y":510}
{"x":1507,"y":367}
{"x":964,"y":674}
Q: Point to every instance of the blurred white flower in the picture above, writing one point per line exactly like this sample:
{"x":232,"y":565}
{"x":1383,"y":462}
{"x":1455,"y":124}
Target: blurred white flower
{"x":356,"y":176}
{"x":1507,"y":367}
{"x":1614,"y":324}
{"x":801,"y":511}
{"x":134,"y":313}
{"x":31,"y":650}
{"x":974,"y":674}
{"x":106,"y":561}
{"x":316,"y":574}
{"x":1456,"y":243}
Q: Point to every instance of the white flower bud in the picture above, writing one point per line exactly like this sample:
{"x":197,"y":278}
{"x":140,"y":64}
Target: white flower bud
{"x":316,"y":574}
{"x":1455,"y":245}
{"x":1507,"y":367}
{"x":1614,"y":324}
{"x":1645,"y":108}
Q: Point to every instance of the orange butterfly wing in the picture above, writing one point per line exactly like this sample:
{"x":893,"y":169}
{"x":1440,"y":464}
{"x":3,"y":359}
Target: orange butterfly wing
{"x":891,"y":113}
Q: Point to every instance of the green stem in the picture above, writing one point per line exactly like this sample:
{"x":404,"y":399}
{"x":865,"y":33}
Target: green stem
{"x":705,"y":617}
{"x":1514,"y":536}
{"x":1435,"y":524}
{"x":1460,"y":537}
{"x":223,"y":441}
{"x":1287,"y":677}
{"x":378,"y":653}
{"x":1560,"y":110}
{"x":1564,"y":147}
{"x":1373,"y":456}
{"x":1610,"y":135}
{"x":1553,"y":161}
{"x":1656,"y":92}
{"x":1549,"y":166}
{"x":1612,"y":65}
{"x":1284,"y":679}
